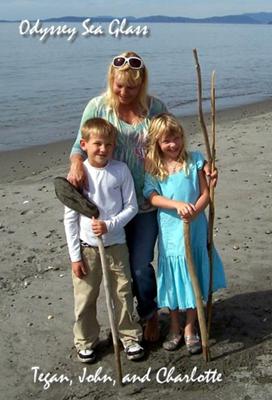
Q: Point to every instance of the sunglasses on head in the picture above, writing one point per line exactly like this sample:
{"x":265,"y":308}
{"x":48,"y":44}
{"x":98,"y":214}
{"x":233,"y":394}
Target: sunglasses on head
{"x":133,"y":62}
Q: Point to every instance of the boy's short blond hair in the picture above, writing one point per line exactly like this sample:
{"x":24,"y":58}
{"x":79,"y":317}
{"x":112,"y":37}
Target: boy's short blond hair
{"x":98,"y":127}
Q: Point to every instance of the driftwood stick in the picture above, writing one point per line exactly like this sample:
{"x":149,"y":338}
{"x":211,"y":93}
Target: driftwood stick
{"x":197,"y":292}
{"x":106,"y":281}
{"x":211,"y":208}
{"x":211,"y":160}
{"x":213,"y":116}
{"x":200,"y":111}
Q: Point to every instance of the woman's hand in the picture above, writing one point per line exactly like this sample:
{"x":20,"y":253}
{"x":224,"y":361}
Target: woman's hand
{"x":212,"y":176}
{"x":77,"y":176}
{"x":185,"y":210}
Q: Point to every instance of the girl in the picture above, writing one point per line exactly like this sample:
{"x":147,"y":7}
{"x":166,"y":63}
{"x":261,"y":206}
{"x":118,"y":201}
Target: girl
{"x":176,"y":184}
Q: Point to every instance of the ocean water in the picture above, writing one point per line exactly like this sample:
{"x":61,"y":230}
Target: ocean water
{"x":44,"y":86}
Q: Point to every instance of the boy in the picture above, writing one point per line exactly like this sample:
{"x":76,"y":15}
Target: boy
{"x":111,"y":188}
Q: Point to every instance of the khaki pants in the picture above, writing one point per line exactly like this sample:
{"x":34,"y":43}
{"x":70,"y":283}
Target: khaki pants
{"x":86,"y":291}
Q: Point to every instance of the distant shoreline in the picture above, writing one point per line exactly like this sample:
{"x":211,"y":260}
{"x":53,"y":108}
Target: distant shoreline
{"x":222,"y":114}
{"x":260,"y":18}
{"x":24,"y":162}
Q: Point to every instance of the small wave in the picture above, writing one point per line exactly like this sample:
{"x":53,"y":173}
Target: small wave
{"x":183,"y":103}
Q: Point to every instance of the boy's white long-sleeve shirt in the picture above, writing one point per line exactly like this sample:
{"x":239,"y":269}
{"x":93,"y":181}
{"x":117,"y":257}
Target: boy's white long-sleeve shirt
{"x":112,"y":189}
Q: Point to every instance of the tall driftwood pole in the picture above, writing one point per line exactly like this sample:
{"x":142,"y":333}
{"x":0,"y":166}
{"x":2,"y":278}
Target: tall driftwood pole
{"x":211,"y":161}
{"x":197,"y":292}
{"x":200,"y":110}
{"x":106,"y":281}
{"x":211,"y":208}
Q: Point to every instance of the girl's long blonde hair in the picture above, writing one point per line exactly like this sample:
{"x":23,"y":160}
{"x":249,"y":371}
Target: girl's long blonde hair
{"x":128,"y":76}
{"x":163,"y":124}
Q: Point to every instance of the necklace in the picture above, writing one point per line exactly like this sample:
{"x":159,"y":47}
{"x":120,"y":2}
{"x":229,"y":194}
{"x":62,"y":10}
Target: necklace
{"x":130,"y":116}
{"x":172,"y":167}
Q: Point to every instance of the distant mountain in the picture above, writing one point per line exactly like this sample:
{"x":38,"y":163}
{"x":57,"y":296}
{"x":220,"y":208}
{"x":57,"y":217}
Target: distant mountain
{"x":103,"y":18}
{"x":249,"y":18}
{"x":165,"y":19}
{"x":263,"y":17}
{"x":228,"y":19}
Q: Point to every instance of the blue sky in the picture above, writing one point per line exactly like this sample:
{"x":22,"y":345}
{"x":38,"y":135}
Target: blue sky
{"x":19,"y":9}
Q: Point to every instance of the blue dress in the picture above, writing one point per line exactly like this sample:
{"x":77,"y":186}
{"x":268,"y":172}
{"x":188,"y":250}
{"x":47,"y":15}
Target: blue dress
{"x":174,"y":287}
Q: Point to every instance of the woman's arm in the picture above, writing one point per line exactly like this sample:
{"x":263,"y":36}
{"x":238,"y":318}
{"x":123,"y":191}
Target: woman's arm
{"x":76,"y":174}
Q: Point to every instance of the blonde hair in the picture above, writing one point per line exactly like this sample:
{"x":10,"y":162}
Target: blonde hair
{"x":128,"y":76}
{"x":98,"y":127}
{"x":163,"y":124}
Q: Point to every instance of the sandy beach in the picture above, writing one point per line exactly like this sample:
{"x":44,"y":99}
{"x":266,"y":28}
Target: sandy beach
{"x":36,"y":289}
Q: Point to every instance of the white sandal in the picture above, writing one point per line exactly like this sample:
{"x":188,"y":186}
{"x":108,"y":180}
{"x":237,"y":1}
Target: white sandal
{"x":193,"y":344}
{"x":172,"y":341}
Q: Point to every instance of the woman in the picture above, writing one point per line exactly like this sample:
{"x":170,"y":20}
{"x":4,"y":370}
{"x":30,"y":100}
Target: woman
{"x":129,"y":108}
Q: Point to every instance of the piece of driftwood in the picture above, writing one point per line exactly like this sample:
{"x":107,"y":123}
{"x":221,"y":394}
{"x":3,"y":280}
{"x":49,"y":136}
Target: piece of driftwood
{"x":106,"y":281}
{"x":211,"y":208}
{"x":211,"y":153}
{"x":197,"y":292}
{"x":200,"y":110}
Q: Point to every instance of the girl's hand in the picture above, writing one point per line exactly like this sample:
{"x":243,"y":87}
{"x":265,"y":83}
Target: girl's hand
{"x":185,"y":210}
{"x":99,"y":227}
{"x":188,"y":219}
{"x":79,"y":269}
{"x":77,"y":176}
{"x":213,"y":177}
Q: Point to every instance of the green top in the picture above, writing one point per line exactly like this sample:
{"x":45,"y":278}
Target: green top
{"x":131,"y":139}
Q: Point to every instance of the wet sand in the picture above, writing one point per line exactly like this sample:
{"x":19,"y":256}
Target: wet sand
{"x":36,"y":290}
